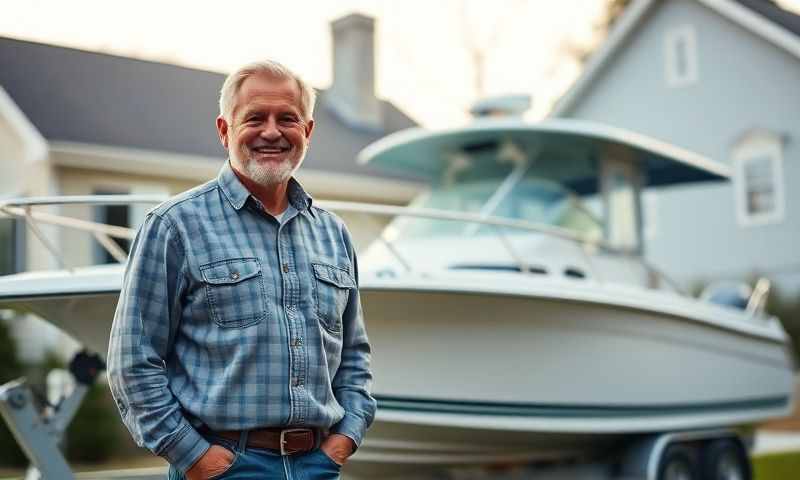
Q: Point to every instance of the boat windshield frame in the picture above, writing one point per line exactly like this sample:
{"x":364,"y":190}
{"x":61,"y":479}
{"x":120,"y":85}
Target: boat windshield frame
{"x":504,"y":191}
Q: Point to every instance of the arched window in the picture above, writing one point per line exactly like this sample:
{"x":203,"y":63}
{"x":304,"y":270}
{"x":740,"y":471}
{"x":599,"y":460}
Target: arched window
{"x":758,"y":178}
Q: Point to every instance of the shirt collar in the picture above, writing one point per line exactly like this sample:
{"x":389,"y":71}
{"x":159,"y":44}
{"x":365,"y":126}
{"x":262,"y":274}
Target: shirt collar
{"x":238,"y":194}
{"x":299,"y":198}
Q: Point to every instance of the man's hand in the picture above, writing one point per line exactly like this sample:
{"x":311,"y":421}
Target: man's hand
{"x":338,"y":447}
{"x":215,"y":461}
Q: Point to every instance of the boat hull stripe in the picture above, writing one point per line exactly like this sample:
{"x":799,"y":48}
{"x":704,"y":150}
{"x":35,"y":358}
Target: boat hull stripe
{"x":549,"y":410}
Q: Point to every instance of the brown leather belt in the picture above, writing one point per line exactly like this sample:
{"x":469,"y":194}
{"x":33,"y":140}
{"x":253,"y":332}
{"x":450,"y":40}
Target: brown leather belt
{"x":287,"y":441}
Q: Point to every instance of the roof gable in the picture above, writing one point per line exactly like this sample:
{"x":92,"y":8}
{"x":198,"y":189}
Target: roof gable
{"x":762,"y":17}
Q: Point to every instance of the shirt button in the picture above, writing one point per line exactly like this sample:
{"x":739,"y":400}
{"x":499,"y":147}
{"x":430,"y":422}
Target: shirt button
{"x":297,"y":382}
{"x":285,"y":268}
{"x":297,"y":342}
{"x":235,"y":276}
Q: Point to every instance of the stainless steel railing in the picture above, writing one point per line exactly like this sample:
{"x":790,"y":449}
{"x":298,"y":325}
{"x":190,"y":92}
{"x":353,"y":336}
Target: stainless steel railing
{"x":103,"y":233}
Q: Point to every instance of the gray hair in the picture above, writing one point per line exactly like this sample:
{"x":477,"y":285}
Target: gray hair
{"x":272,"y":69}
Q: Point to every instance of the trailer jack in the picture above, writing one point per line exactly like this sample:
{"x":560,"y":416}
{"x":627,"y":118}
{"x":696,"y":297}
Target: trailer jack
{"x":40,"y":431}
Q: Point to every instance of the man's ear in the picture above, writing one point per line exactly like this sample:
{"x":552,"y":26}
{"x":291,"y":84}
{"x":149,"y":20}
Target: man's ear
{"x":309,"y":129}
{"x":222,"y":131}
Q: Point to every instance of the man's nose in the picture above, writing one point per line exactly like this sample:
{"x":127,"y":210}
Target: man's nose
{"x":270,"y":132}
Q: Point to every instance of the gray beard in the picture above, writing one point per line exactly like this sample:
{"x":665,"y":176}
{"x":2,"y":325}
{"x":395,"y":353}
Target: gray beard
{"x":270,"y":175}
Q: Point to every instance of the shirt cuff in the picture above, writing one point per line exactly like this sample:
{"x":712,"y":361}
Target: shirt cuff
{"x":351,"y":426}
{"x":187,"y":450}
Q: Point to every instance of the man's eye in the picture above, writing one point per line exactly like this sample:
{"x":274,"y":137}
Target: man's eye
{"x":288,"y":119}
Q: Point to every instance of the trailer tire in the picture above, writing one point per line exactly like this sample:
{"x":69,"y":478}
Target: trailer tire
{"x":677,"y":463}
{"x":726,"y":460}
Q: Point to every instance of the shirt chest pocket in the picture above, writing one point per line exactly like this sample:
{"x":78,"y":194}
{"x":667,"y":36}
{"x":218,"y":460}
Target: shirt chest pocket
{"x":235,"y":292}
{"x":332,"y":287}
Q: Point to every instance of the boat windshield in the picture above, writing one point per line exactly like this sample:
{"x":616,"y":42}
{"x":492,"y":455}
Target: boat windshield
{"x":519,"y":197}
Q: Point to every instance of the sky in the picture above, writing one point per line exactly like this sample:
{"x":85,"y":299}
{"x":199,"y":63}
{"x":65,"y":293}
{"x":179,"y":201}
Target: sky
{"x":423,"y":64}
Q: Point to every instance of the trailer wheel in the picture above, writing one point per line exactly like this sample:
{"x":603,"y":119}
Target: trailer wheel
{"x":677,"y":463}
{"x":726,"y":460}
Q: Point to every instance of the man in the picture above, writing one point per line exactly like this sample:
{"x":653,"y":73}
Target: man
{"x":238,"y":348}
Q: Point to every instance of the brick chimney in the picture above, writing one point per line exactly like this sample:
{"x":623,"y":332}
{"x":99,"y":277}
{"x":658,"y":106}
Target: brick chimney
{"x":352,"y":95}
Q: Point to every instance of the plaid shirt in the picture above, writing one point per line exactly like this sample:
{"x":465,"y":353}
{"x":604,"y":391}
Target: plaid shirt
{"x":231,"y":320}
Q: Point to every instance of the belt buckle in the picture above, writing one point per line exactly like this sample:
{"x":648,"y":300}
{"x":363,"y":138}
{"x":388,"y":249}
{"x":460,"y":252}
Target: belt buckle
{"x":282,"y":439}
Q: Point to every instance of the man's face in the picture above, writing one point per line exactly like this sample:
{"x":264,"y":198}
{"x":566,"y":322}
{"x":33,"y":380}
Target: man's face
{"x":266,"y":137}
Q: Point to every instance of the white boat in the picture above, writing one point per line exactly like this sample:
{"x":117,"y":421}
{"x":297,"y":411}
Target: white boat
{"x":494,"y":344}
{"x":512,"y":315}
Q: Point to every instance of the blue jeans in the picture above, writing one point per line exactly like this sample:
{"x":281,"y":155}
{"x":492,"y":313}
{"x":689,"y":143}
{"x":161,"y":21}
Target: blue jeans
{"x":260,"y":464}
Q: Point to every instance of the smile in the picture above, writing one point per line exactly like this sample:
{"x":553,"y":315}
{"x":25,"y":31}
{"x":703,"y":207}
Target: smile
{"x":270,"y":150}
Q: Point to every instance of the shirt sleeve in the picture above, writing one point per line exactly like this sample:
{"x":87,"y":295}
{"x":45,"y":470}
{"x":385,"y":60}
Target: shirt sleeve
{"x":353,"y":380}
{"x":142,"y":335}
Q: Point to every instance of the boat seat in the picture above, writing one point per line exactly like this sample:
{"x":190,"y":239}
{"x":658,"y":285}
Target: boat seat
{"x":729,"y":294}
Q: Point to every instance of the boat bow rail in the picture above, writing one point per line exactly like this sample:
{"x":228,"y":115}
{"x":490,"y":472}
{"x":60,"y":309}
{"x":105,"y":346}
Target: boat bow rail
{"x":503,"y":228}
{"x":103,"y":233}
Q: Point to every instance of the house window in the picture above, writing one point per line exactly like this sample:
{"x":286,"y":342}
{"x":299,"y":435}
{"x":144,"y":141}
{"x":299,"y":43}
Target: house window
{"x":680,"y":56}
{"x":758,"y":165}
{"x":118,"y":215}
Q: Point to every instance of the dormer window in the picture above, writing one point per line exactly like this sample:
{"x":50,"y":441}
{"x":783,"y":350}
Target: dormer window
{"x":681,"y":56}
{"x":758,"y":170}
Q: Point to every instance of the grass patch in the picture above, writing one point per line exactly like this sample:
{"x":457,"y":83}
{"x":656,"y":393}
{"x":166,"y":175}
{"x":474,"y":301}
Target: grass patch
{"x":776,"y":466}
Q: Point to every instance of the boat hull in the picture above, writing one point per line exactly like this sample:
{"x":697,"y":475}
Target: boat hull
{"x":464,"y":377}
{"x":468,"y":373}
{"x":504,"y":348}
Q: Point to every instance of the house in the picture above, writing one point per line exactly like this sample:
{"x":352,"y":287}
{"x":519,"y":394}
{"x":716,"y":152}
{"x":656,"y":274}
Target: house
{"x":719,"y":77}
{"x":74,"y":122}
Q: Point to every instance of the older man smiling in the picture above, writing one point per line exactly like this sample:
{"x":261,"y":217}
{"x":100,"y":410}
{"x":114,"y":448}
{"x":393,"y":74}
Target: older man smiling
{"x":238,"y":349}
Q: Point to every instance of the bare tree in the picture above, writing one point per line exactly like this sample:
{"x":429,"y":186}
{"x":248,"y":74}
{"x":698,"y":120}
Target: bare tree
{"x":612,"y":11}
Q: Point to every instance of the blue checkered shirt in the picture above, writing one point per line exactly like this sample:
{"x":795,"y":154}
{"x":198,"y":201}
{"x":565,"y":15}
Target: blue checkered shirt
{"x":229,"y":320}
